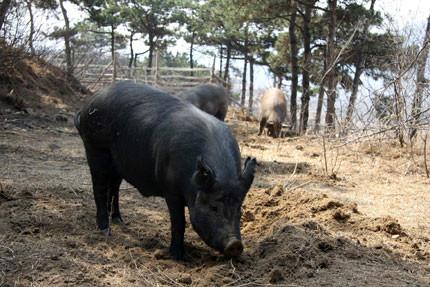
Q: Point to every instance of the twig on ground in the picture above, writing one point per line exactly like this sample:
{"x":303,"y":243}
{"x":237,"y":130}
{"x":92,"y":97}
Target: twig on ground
{"x":300,"y":185}
{"x":289,"y":180}
{"x":233,"y":268}
{"x":10,"y":249}
{"x":325,"y":156}
{"x":425,"y":155}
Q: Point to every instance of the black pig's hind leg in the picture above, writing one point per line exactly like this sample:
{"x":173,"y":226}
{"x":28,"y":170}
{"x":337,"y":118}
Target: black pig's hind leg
{"x":114,"y":183}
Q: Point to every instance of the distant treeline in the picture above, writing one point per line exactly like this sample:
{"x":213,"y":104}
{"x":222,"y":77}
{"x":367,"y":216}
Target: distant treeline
{"x":318,"y":47}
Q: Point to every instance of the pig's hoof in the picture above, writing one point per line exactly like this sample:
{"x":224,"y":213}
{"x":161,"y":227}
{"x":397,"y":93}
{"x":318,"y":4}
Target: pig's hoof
{"x":106,"y":232}
{"x":161,"y":254}
{"x":116,"y":219}
{"x":234,"y":248}
{"x":177,"y":253}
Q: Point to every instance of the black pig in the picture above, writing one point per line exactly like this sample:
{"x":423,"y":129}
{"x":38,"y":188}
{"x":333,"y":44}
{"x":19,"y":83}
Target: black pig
{"x":166,"y":147}
{"x":209,"y":98}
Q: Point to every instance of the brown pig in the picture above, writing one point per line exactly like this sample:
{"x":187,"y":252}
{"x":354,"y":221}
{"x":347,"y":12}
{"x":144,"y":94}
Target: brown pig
{"x":273,"y":111}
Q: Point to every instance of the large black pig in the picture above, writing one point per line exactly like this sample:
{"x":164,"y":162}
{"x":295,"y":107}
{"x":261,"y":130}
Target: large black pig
{"x":209,"y":98}
{"x":166,"y":147}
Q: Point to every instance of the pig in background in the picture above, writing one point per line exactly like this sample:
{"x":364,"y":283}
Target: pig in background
{"x":273,"y":111}
{"x":210,"y":98}
{"x":166,"y":147}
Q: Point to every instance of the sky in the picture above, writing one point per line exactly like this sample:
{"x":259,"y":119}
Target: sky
{"x":405,"y":12}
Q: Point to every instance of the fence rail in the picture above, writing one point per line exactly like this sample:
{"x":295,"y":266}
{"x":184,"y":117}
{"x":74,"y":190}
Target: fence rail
{"x":170,"y":79}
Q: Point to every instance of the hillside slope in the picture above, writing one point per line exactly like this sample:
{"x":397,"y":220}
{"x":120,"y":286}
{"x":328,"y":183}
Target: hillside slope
{"x":32,"y":85}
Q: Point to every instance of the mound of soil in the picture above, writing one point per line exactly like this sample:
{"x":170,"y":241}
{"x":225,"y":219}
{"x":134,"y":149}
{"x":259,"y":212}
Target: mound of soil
{"x":32,"y":85}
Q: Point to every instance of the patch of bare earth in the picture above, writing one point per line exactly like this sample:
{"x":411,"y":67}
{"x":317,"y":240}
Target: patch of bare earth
{"x":366,"y":223}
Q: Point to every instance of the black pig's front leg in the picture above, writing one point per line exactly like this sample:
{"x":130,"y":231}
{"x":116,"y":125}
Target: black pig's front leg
{"x":177,"y":220}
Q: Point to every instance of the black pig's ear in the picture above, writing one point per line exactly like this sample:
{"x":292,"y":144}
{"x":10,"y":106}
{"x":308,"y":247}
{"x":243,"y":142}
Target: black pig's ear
{"x":204,"y":176}
{"x":248,"y":172}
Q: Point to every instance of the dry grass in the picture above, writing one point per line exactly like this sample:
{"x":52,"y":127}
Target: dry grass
{"x":301,"y":226}
{"x":382,"y":178}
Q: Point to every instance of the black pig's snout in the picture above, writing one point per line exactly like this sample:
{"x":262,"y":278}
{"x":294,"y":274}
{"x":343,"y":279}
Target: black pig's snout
{"x":234,"y":248}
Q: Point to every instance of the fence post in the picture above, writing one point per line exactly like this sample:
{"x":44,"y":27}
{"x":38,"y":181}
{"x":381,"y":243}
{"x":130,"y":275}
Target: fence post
{"x":114,"y":67}
{"x":213,"y":71}
{"x":157,"y":67}
{"x":129,"y":72}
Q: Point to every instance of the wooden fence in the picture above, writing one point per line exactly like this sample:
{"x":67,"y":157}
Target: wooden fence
{"x":170,"y":79}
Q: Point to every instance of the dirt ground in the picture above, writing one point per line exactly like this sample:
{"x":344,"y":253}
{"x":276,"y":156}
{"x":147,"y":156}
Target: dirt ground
{"x":364,"y":222}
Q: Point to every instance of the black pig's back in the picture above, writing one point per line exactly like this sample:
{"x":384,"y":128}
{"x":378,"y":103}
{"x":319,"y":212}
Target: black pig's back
{"x":155,"y":139}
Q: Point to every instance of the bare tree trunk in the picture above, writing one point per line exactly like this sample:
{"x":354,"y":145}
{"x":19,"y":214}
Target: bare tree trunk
{"x":151,"y":52}
{"x":319,"y":107}
{"x":220,"y":62}
{"x":331,"y":76}
{"x":130,"y":72}
{"x":31,"y":36}
{"x":4,"y":7}
{"x":280,"y":83}
{"x":359,"y":68}
{"x":213,"y":70}
{"x":130,"y":61}
{"x":150,"y":57}
{"x":251,"y":83}
{"x":304,"y":111}
{"x":67,"y":33}
{"x":320,"y":96}
{"x":157,"y":67}
{"x":294,"y":65}
{"x":398,"y":108}
{"x":355,"y":84}
{"x":245,"y":64}
{"x":191,"y":53}
{"x":112,"y":48}
{"x":227,"y":63}
{"x":420,"y":84}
